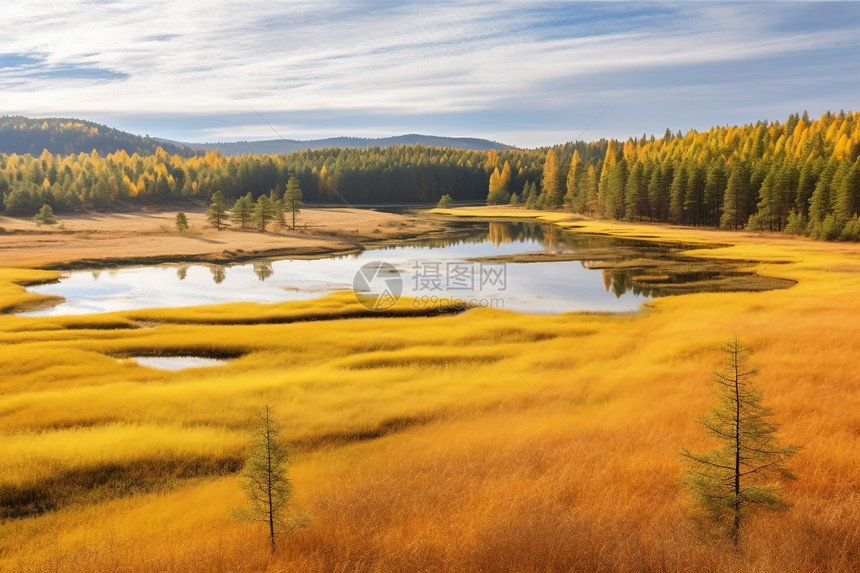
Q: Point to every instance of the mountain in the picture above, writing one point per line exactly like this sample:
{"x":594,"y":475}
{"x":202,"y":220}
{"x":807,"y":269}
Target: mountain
{"x":65,"y":136}
{"x":279,"y":146}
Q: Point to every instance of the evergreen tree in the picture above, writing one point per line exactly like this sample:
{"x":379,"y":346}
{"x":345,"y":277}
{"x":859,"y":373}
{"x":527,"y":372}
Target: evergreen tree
{"x":592,"y":190}
{"x":445,"y":202}
{"x":848,"y":194}
{"x":613,"y":191}
{"x":573,"y":197}
{"x":796,"y":224}
{"x":820,"y":202}
{"x":636,"y":194}
{"x":735,"y":210}
{"x":266,"y":481}
{"x":678,"y":195}
{"x":243,"y":210}
{"x":694,"y":202}
{"x":551,"y":185}
{"x":264,"y":212}
{"x":524,"y":198}
{"x":181,"y":221}
{"x":292,"y":200}
{"x":498,"y":188}
{"x":217,"y":212}
{"x":805,"y":188}
{"x":728,"y":483}
{"x":45,"y":216}
{"x":532,"y":201}
{"x":715,"y":187}
{"x":658,"y":192}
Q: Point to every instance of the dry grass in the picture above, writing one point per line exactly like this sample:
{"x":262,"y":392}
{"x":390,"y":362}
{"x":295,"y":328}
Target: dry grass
{"x":122,"y":238}
{"x":429,"y":452}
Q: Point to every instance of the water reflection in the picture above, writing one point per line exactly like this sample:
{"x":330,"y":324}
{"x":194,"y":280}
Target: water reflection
{"x":263,"y":270}
{"x":548,"y":236}
{"x":219,"y":273}
{"x":176,"y":362}
{"x":546,"y":270}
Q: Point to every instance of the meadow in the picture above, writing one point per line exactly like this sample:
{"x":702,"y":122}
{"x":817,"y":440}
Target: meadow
{"x":426,"y":443}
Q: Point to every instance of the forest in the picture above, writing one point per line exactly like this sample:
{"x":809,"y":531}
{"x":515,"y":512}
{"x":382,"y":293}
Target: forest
{"x":801,"y":176}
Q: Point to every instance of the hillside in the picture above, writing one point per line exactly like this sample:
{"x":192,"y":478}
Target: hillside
{"x":65,"y":136}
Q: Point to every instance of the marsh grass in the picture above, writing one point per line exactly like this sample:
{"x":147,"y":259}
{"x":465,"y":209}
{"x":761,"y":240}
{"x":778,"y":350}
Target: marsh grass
{"x":425,"y":451}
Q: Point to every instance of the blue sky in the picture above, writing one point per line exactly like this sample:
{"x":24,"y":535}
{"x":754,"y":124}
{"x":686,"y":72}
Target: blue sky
{"x":526,"y":73}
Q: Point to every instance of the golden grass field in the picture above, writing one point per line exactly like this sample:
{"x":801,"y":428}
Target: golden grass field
{"x":428,"y":452}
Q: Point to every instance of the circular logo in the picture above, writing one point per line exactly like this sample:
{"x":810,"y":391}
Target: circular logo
{"x":377,"y":285}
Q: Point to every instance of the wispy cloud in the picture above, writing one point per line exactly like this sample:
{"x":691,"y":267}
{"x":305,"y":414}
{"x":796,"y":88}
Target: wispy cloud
{"x":489,"y":68}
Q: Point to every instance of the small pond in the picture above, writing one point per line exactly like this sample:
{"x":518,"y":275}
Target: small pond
{"x":176,"y":362}
{"x":527,"y":267}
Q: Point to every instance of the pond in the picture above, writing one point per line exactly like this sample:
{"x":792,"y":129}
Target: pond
{"x":520,"y":266}
{"x":176,"y":362}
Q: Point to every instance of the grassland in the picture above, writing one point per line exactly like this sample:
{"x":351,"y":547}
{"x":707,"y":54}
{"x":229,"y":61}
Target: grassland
{"x":427,"y":449}
{"x":89,"y":239}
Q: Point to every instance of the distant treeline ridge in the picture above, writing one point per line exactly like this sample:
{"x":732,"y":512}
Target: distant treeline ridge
{"x":801,"y":176}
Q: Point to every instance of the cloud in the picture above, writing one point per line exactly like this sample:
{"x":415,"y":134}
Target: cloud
{"x":386,"y":65}
{"x":29,"y":69}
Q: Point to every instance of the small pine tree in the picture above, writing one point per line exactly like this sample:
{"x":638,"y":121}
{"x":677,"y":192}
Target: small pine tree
{"x":242,"y":210}
{"x":217,"y":212}
{"x":515,"y":200}
{"x":181,"y":222}
{"x":796,"y":224}
{"x":729,"y":482}
{"x":45,"y":216}
{"x":830,"y":228}
{"x":292,"y":201}
{"x":445,"y":202}
{"x":532,"y":201}
{"x":851,"y":232}
{"x":266,"y":480}
{"x":264,"y":212}
{"x":524,"y":195}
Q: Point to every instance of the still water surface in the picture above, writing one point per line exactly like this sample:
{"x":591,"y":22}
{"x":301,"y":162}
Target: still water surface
{"x":438,"y":268}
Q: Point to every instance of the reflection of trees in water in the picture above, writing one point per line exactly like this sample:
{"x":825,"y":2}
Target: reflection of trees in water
{"x":498,"y":233}
{"x":263,"y":270}
{"x":501,"y":233}
{"x":182,"y":272}
{"x":620,"y":281}
{"x":96,"y":275}
{"x":219,"y":273}
{"x":551,"y":237}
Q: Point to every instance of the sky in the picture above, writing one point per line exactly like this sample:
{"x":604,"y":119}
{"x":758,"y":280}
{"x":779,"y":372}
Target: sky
{"x":525,"y":73}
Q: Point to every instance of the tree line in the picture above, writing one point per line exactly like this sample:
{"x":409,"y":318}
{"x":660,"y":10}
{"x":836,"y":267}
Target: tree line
{"x":801,"y":176}
{"x":400,"y":174}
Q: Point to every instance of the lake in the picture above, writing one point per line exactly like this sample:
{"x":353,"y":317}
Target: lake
{"x":521,"y":266}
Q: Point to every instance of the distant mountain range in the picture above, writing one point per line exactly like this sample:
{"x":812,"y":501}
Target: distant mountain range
{"x":279,"y":146}
{"x":64,"y":136}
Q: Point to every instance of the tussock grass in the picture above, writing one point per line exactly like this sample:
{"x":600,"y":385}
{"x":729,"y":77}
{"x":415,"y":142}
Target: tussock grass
{"x":423,"y":450}
{"x":13,"y":297}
